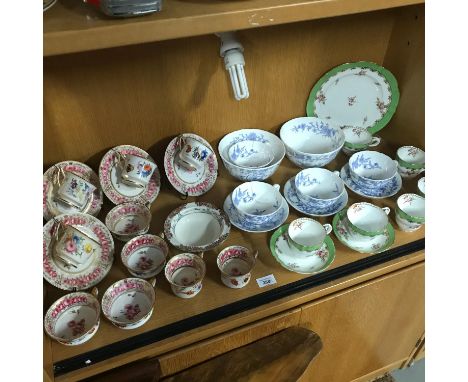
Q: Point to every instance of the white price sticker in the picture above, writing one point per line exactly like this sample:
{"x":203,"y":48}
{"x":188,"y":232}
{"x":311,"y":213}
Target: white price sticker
{"x":266,"y":280}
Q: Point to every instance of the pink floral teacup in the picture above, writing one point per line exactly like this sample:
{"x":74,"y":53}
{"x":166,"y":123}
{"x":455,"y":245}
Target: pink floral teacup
{"x":74,"y":318}
{"x":128,"y":220}
{"x":136,"y":170}
{"x":75,"y":191}
{"x":185,"y":273}
{"x":145,"y":255}
{"x":129,"y":303}
{"x":236,"y":263}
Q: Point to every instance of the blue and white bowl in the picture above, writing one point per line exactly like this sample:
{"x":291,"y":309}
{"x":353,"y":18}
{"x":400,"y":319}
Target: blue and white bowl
{"x":319,"y":186}
{"x":370,"y":169}
{"x":272,"y":143}
{"x":311,"y":142}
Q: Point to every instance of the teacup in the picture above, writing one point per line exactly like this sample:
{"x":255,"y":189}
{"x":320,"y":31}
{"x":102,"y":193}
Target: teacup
{"x":256,"y":200}
{"x":185,"y":273}
{"x":192,"y":153}
{"x":129,"y":303}
{"x":128,"y":220}
{"x":307,"y":234}
{"x":358,"y":139}
{"x":411,"y":161}
{"x":145,"y":255}
{"x":371,"y":168}
{"x":74,"y":246}
{"x":74,"y":318}
{"x":318,"y":184}
{"x":422,"y":186}
{"x":251,"y":154}
{"x":236,"y":263}
{"x":410,"y":212}
{"x":136,"y":170}
{"x":75,"y":190}
{"x":367,"y":219}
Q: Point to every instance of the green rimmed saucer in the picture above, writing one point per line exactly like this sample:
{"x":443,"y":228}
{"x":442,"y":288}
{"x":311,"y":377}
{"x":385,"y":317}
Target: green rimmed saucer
{"x":300,"y":262}
{"x":366,"y":244}
{"x":359,"y":94}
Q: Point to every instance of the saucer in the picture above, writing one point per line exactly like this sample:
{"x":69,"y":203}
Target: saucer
{"x":378,"y":193}
{"x":52,"y":207}
{"x":245,"y":225}
{"x":196,"y":227}
{"x":307,"y":208}
{"x":298,"y":261}
{"x":83,"y":275}
{"x":190,"y":182}
{"x":119,"y":192}
{"x":361,"y":243}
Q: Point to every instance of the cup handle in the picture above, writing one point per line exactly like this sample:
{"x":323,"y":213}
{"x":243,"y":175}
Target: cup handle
{"x":386,"y":210}
{"x":337,"y":173}
{"x":95,"y":292}
{"x":153,"y":282}
{"x":396,"y":162}
{"x":375,"y":141}
{"x":277,"y":187}
{"x":255,"y":255}
{"x":161,"y":235}
{"x":201,"y":254}
{"x":328,"y":228}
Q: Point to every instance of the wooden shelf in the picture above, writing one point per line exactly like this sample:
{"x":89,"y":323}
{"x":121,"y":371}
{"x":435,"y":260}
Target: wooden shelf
{"x":72,"y":26}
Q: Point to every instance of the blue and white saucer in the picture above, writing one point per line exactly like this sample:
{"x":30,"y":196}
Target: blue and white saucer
{"x":308,"y":208}
{"x":248,"y":226}
{"x":385,"y":191}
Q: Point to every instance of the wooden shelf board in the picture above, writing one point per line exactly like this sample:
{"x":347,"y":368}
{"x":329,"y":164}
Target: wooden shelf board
{"x":72,"y":26}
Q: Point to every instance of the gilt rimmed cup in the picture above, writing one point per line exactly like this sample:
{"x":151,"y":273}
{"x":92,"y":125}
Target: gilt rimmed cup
{"x":74,"y":318}
{"x":128,"y":220}
{"x":128,"y":303}
{"x":145,"y":255}
{"x":367,"y":219}
{"x":236,"y":263}
{"x":307,"y":234}
{"x":410,"y":212}
{"x":358,"y":139}
{"x":136,"y":170}
{"x":193,"y":153}
{"x":185,"y":273}
{"x":75,"y":190}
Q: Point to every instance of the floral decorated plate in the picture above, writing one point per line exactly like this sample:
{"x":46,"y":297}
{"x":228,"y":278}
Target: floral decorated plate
{"x":197,"y":227}
{"x":358,"y":242}
{"x":358,"y":94}
{"x":52,"y":207}
{"x":119,"y":192}
{"x":378,"y":192}
{"x":247,"y":225}
{"x":192,"y":182}
{"x":298,"y":261}
{"x":309,"y":208}
{"x":95,"y":245}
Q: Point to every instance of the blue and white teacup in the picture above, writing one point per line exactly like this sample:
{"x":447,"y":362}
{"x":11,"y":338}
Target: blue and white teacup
{"x":251,"y":154}
{"x":319,"y":186}
{"x":371,"y":169}
{"x":358,"y":139}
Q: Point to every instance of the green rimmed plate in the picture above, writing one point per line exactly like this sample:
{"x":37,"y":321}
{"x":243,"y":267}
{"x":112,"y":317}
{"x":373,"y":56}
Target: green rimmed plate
{"x":298,"y":261}
{"x":358,"y":94}
{"x":358,"y":242}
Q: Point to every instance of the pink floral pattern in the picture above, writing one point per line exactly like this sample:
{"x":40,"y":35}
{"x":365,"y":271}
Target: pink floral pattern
{"x":144,"y":263}
{"x":131,"y":311}
{"x":321,"y":98}
{"x":77,"y":327}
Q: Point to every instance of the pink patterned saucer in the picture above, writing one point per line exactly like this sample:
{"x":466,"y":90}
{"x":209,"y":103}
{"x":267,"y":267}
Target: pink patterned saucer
{"x":95,"y":245}
{"x":52,"y":207}
{"x":119,"y":192}
{"x":193,"y":182}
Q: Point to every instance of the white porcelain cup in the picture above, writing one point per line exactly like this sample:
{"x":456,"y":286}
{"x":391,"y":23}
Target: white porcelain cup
{"x":137,"y":171}
{"x":251,"y":154}
{"x":307,"y":234}
{"x":358,"y":139}
{"x":75,"y":247}
{"x":410,"y":212}
{"x":314,"y":184}
{"x":185,"y":273}
{"x":193,"y":154}
{"x":75,"y":190}
{"x":236,"y":263}
{"x":256,"y":199}
{"x":367,"y":219}
{"x":371,"y":168}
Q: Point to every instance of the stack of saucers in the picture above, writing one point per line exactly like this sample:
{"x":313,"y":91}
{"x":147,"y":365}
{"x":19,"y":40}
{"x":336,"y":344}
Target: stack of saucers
{"x":256,"y":207}
{"x":371,"y":174}
{"x":251,"y":154}
{"x":316,"y":192}
{"x":364,"y":227}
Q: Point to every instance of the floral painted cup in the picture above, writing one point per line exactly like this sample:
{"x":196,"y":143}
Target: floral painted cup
{"x":185,"y":273}
{"x":128,"y":303}
{"x":422,"y":186}
{"x":75,"y":247}
{"x":367,"y":219}
{"x":411,"y":161}
{"x":74,"y":318}
{"x":128,"y":220}
{"x":137,"y":171}
{"x":145,"y":255}
{"x":307,"y":234}
{"x":193,"y":154}
{"x":236,"y":263}
{"x":318,"y":185}
{"x":75,"y":191}
{"x":371,"y":168}
{"x":358,"y":139}
{"x":410,"y":212}
{"x":251,"y":154}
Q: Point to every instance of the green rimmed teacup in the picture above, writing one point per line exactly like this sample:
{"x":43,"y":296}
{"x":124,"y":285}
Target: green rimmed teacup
{"x":357,"y":139}
{"x":307,"y":234}
{"x":410,"y":212}
{"x":367,"y":219}
{"x":411,"y":161}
